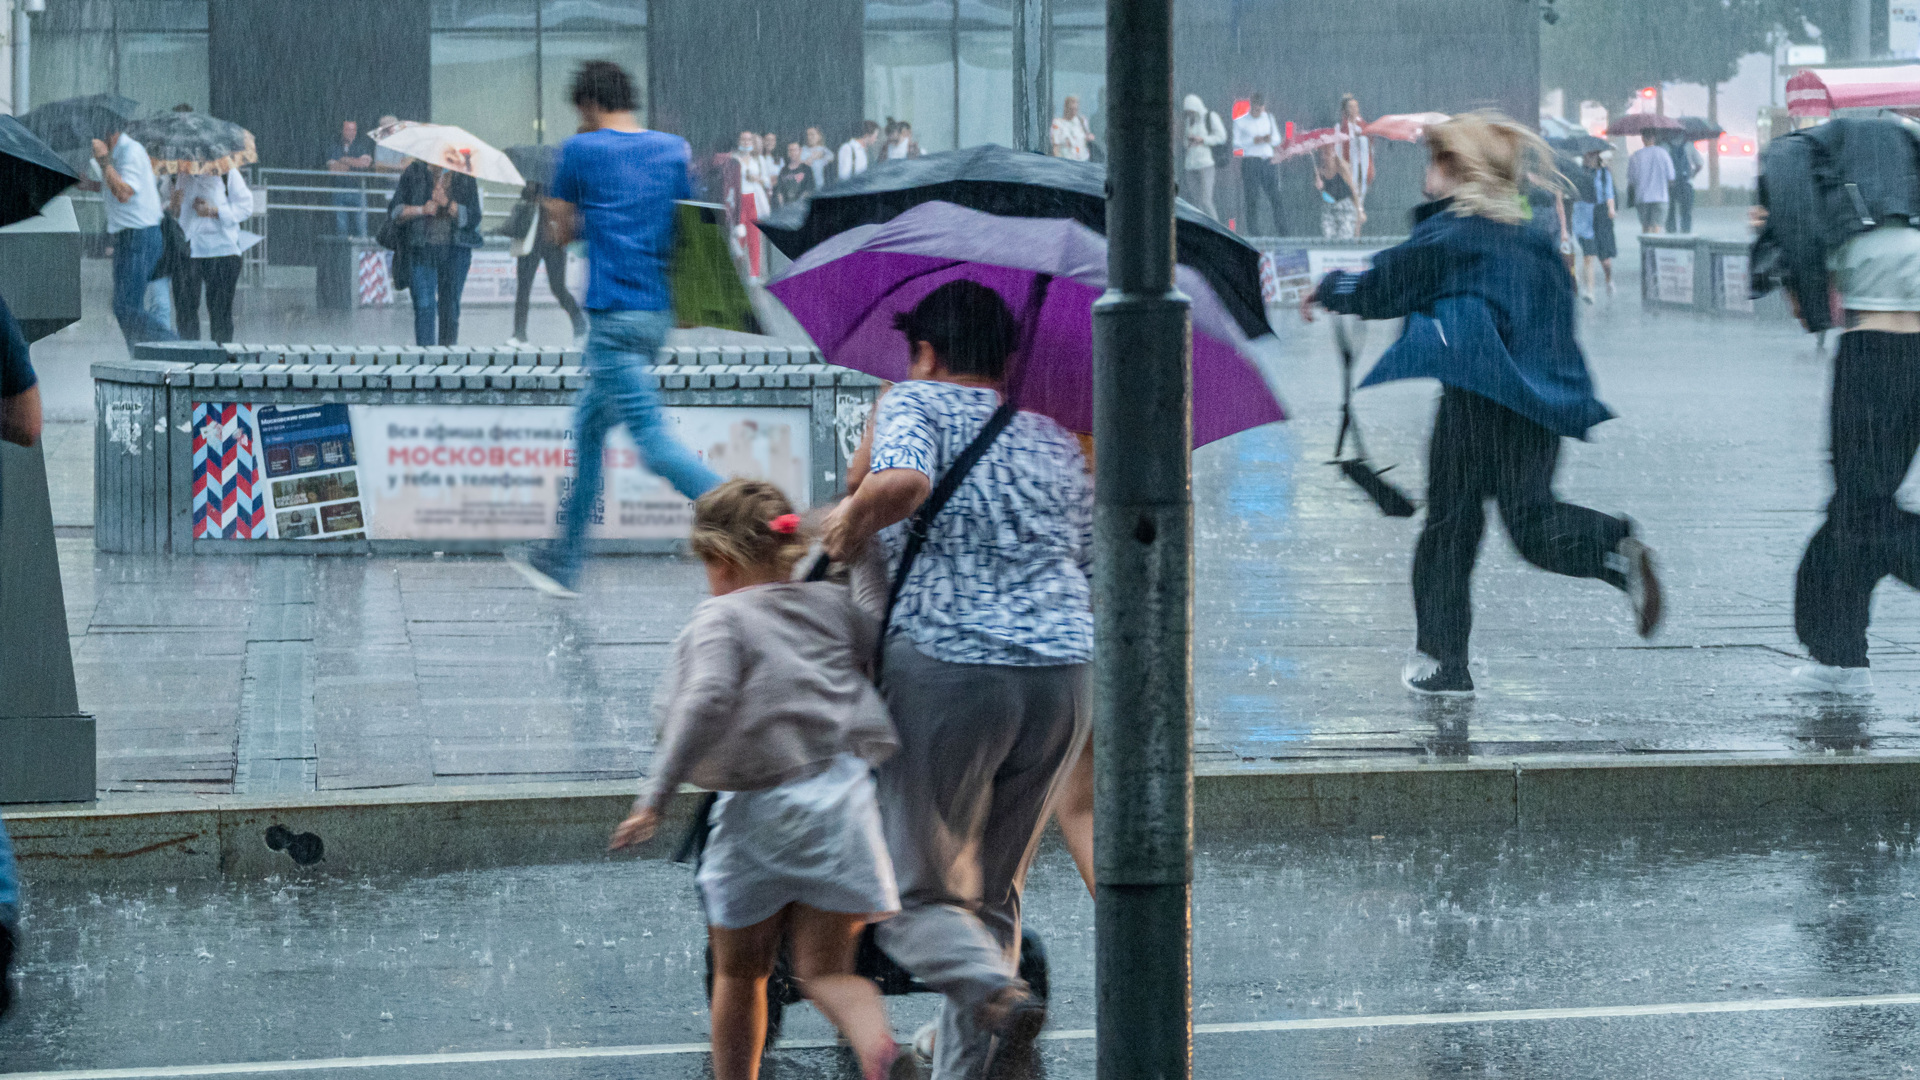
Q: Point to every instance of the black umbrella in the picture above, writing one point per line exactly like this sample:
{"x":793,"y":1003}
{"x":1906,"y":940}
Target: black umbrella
{"x":30,"y":172}
{"x":74,"y":123}
{"x":1579,"y":146}
{"x":193,"y":143}
{"x":1695,"y":129}
{"x":536,"y":163}
{"x":1014,"y":183}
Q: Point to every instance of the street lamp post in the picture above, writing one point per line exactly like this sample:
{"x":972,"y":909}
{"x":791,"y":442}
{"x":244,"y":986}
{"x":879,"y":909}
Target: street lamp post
{"x":1143,"y":568}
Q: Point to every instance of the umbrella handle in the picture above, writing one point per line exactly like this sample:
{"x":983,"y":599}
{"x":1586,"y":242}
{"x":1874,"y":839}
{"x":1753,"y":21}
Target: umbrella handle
{"x":1036,"y":299}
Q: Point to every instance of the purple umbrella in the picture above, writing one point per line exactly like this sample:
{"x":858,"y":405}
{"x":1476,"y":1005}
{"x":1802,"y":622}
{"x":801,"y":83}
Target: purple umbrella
{"x":847,"y":289}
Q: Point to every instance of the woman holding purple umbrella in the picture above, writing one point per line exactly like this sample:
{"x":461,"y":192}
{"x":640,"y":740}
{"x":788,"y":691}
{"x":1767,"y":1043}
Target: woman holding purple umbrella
{"x":985,"y":659}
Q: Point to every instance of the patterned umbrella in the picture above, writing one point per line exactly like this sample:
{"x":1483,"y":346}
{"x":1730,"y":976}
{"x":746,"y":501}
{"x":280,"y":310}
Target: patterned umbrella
{"x":453,"y":147}
{"x":1311,"y":141}
{"x":74,"y":123}
{"x":193,"y":143}
{"x":1403,"y":127}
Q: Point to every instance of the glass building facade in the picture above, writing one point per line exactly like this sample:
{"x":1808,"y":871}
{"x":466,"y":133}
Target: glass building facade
{"x":153,"y":51}
{"x":501,"y":67}
{"x":946,"y":66}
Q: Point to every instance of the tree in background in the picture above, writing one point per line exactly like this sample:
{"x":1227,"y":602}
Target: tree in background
{"x":1606,"y":50}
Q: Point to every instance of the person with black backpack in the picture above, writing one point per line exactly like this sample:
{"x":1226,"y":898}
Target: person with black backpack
{"x":986,"y":515}
{"x":1839,"y":214}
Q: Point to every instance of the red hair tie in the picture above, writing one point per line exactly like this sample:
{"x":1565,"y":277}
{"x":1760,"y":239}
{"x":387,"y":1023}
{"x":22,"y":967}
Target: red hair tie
{"x":785,"y":524}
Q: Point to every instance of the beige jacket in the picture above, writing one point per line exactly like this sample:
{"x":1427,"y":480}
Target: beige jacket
{"x":768,"y":684}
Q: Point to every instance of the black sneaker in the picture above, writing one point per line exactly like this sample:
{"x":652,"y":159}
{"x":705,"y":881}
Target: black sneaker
{"x":1425,"y":675}
{"x":1633,"y":560}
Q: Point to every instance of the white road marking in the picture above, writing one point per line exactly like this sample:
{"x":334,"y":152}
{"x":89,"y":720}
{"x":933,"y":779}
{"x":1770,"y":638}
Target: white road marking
{"x":1326,"y":1023}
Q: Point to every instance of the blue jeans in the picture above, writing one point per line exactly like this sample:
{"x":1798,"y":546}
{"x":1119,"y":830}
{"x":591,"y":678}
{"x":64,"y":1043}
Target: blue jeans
{"x":351,"y":222}
{"x":9,"y":882}
{"x":439,"y":273}
{"x":618,"y":346}
{"x":135,"y":253}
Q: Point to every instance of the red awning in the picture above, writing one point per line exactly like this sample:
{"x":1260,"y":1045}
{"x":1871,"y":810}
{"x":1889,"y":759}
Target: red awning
{"x":1819,"y":91}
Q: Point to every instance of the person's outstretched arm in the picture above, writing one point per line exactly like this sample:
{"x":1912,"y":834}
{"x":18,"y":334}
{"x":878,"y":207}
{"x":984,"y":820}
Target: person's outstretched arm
{"x":1402,"y":279}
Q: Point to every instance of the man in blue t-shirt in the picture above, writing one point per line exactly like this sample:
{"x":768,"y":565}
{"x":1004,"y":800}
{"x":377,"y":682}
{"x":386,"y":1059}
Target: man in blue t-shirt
{"x":615,"y":188}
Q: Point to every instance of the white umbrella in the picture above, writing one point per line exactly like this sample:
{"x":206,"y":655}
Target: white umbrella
{"x":453,"y":147}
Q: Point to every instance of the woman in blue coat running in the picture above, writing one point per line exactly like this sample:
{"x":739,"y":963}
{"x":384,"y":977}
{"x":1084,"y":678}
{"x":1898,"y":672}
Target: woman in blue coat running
{"x":1489,"y":313}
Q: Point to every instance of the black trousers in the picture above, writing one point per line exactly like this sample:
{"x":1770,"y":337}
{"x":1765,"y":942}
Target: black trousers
{"x":1875,"y":423}
{"x":1480,"y":451}
{"x":217,"y":277}
{"x":1259,"y":178}
{"x":528,"y":265}
{"x":1680,"y":206}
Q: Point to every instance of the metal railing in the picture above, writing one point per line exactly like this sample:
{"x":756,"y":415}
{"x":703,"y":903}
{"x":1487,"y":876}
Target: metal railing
{"x":315,"y":191}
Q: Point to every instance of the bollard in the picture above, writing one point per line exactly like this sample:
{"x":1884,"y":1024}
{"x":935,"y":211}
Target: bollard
{"x":1143,"y":568}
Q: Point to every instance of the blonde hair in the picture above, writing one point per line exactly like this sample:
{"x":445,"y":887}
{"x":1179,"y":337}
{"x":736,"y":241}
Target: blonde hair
{"x":734,"y":523}
{"x":1491,"y":158}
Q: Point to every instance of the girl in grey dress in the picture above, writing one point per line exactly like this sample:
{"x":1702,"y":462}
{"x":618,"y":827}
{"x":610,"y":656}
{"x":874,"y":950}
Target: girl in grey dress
{"x":770,"y":703}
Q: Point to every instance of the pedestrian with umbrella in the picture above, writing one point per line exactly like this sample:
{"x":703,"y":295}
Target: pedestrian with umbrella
{"x":208,"y":197}
{"x":1650,"y":171}
{"x":1489,"y":313}
{"x":122,"y":170}
{"x":1593,"y":213}
{"x":1686,"y":165}
{"x":434,"y":218}
{"x":992,"y":626}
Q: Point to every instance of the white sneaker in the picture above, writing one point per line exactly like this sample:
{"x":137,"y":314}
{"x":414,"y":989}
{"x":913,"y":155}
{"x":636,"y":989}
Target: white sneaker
{"x":516,"y":343}
{"x":529,"y":560}
{"x":923,"y":1043}
{"x":1823,"y":679}
{"x":1587,"y":295}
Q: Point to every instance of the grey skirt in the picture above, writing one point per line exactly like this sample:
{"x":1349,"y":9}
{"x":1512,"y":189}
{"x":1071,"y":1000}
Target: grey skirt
{"x":813,"y":841}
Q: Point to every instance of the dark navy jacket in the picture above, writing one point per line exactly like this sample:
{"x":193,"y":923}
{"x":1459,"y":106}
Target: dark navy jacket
{"x":1489,"y":309}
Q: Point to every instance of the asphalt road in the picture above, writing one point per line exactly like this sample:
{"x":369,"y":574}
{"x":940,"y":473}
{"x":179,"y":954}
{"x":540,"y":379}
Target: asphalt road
{"x":1658,"y":952}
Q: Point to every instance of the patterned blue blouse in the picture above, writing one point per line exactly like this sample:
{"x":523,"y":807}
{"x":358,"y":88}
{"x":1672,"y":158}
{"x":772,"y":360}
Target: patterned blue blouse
{"x":1002,"y":578}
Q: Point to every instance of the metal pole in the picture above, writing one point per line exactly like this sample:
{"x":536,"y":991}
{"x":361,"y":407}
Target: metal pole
{"x":1143,"y":568}
{"x":22,"y":58}
{"x":1032,"y":98}
{"x":1862,"y":30}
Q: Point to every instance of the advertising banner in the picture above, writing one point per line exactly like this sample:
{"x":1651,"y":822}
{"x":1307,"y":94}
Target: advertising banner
{"x":478,"y":472}
{"x":272,"y":471}
{"x":1671,"y":278}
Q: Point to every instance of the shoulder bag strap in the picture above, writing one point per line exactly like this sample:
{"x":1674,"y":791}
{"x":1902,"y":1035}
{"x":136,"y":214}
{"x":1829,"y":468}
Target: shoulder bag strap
{"x":922,"y":520}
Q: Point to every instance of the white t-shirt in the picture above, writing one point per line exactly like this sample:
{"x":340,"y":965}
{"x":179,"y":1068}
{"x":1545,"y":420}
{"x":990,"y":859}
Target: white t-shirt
{"x":853,"y":158}
{"x":1070,"y":138}
{"x":142,"y":209}
{"x":212,"y":237}
{"x":1250,"y":127}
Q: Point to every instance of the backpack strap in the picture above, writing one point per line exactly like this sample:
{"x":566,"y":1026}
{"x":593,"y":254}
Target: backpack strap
{"x":921,"y":523}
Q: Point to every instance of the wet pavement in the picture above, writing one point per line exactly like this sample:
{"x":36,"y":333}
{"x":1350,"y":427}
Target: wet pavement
{"x":1658,"y":952}
{"x":268,"y":674}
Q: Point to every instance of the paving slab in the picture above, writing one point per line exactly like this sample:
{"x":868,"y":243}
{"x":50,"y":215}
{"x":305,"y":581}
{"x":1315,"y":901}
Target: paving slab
{"x":402,"y":671}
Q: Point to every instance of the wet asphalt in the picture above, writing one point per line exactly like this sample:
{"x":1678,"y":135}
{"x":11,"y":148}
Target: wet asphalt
{"x":1348,"y":956}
